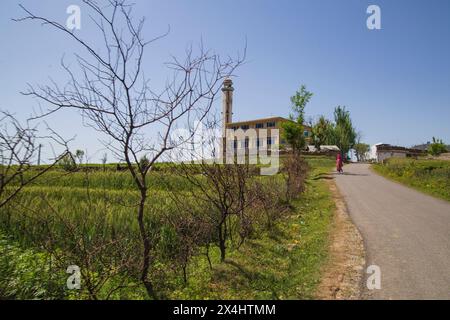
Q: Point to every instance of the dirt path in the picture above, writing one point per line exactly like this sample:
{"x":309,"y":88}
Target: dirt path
{"x":406,"y":233}
{"x":343,"y":272}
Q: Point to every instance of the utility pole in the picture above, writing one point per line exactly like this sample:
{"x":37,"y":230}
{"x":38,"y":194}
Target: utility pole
{"x":39,"y":154}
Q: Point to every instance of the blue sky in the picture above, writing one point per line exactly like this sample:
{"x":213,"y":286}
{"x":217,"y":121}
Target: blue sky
{"x":394,"y":81}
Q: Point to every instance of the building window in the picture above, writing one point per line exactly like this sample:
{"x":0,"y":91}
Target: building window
{"x":246,"y":142}
{"x":258,"y":143}
{"x":235,"y":144}
{"x":269,"y":141}
{"x":259,"y":125}
{"x":245,"y":127}
{"x":271,"y":124}
{"x":234,"y":128}
{"x":306,"y":133}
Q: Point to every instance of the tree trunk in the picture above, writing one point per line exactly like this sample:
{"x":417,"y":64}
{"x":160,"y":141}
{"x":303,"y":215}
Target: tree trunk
{"x":146,"y":250}
{"x":222,"y":236}
{"x":184,"y":274}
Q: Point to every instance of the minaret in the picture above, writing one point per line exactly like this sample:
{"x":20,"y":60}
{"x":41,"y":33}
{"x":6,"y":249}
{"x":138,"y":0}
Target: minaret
{"x":227,"y":104}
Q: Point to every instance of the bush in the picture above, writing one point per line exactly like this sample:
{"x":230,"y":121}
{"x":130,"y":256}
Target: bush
{"x":295,"y":169}
{"x":68,"y":162}
{"x":28,"y":274}
{"x":437,"y":147}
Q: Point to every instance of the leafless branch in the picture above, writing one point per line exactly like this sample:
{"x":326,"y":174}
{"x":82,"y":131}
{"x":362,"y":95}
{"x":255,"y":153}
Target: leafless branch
{"x":113,"y":95}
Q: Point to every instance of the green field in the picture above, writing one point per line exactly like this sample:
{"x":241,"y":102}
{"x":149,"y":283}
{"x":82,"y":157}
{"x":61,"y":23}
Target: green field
{"x":81,"y":209}
{"x":428,"y":176}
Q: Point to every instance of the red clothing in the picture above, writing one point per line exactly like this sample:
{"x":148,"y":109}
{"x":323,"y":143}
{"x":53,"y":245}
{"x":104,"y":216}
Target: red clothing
{"x":339,"y":163}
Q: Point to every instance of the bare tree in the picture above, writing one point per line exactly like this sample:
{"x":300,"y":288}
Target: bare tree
{"x":19,"y":147}
{"x":192,"y":231}
{"x":295,"y":168}
{"x":114,"y":96}
{"x":220,"y":190}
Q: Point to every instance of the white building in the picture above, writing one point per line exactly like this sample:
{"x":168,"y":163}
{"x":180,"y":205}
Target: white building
{"x":373,"y":152}
{"x":381,"y":151}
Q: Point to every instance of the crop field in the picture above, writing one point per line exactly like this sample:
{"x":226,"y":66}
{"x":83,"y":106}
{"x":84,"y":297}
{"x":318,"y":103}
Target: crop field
{"x":429,"y":176}
{"x":88,"y":218}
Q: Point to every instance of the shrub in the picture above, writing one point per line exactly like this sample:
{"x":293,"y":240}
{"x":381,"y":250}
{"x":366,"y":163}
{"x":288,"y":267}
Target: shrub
{"x":437,"y":147}
{"x":295,"y":169}
{"x":67,"y":162}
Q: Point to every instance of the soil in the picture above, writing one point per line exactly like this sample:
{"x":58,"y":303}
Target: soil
{"x":343,"y":272}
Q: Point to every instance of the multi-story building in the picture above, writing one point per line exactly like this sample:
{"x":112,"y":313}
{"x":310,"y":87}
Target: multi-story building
{"x":263,"y":127}
{"x":266,"y":124}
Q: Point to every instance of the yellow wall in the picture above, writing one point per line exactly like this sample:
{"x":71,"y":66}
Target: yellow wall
{"x":264,"y":121}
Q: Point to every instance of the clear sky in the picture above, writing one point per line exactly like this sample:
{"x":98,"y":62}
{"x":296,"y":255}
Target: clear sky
{"x":395,"y":81}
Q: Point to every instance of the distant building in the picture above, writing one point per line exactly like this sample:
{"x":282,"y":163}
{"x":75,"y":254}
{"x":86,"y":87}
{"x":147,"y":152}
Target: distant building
{"x":256,"y":124}
{"x":331,"y":150}
{"x":267,"y":124}
{"x":383,"y":151}
{"x":426,"y":146}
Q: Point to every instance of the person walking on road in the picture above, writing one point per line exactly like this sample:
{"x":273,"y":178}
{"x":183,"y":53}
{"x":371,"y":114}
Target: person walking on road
{"x":339,"y":163}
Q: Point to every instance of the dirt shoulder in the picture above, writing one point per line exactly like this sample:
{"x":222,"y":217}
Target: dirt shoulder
{"x":342,"y":274}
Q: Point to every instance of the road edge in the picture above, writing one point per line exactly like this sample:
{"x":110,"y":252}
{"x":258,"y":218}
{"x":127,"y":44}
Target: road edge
{"x":342,"y":274}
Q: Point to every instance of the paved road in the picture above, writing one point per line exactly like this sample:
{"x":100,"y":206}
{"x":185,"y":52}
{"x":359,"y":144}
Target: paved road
{"x":406,"y":233}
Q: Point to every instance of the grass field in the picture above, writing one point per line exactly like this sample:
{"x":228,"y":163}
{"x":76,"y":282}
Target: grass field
{"x":428,"y":176}
{"x":283,"y":263}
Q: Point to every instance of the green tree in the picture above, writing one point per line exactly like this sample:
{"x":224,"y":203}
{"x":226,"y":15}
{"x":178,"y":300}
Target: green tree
{"x":437,"y":147}
{"x":293,"y":130}
{"x":344,"y":132}
{"x":322,"y":132}
{"x":361,"y":150}
{"x":79,"y":154}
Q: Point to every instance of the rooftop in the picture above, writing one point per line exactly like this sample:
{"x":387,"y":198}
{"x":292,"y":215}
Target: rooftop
{"x":260,"y":120}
